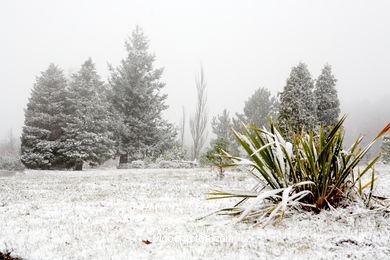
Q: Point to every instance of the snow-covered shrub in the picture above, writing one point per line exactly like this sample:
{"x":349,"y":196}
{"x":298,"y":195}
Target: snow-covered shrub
{"x":313,"y":172}
{"x":176,"y":164}
{"x":11,"y":163}
{"x":138,"y":164}
{"x":166,"y":164}
{"x":175,"y":153}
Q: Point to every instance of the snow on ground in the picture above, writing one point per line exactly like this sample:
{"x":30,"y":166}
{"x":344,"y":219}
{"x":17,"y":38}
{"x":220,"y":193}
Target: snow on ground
{"x":106,"y":214}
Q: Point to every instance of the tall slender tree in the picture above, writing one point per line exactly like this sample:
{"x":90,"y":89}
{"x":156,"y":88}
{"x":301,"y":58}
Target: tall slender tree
{"x":182,"y":127}
{"x":198,"y":121}
{"x":327,"y":102}
{"x":297,"y":103}
{"x":88,"y":135}
{"x":44,"y":121}
{"x":137,"y":98}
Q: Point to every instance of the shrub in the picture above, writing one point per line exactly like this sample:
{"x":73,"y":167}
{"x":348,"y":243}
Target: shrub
{"x":11,"y":163}
{"x":314,"y":172}
{"x":138,"y":164}
{"x":214,"y":156}
{"x":175,"y":153}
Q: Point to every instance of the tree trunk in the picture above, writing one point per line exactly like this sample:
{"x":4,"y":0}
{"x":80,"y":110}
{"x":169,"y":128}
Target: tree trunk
{"x":78,"y":166}
{"x":123,"y":158}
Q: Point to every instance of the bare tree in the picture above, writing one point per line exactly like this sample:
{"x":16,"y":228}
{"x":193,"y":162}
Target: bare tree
{"x":182,"y":126}
{"x":198,"y":121}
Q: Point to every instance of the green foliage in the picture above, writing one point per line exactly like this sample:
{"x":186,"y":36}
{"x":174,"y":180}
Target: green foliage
{"x":258,"y":108}
{"x":88,"y":134}
{"x":215,"y":156}
{"x":45,"y":121}
{"x":315,"y":169}
{"x":137,"y":99}
{"x":297,"y":104}
{"x":222,"y":126}
{"x":327,"y":102}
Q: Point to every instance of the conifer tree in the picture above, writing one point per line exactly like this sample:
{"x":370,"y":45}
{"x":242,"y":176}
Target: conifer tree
{"x":258,"y":109}
{"x":328,"y":104}
{"x":297,"y":103}
{"x":88,"y":135}
{"x":44,"y":121}
{"x":137,"y":98}
{"x":222,"y":127}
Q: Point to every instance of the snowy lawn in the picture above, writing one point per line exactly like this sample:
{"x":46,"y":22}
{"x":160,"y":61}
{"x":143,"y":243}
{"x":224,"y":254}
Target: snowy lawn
{"x":114,"y":214}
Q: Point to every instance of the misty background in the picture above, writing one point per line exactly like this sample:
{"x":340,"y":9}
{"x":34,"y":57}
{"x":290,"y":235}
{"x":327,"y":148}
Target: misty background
{"x":242,"y":45}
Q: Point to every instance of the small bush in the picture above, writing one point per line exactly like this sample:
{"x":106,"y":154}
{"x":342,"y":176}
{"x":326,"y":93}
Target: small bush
{"x":138,"y":164}
{"x":313,"y":172}
{"x":11,"y":163}
{"x":175,"y":153}
{"x":215,"y":155}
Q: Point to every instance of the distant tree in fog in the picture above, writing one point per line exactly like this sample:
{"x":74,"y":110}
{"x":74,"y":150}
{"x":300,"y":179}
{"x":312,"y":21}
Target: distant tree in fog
{"x":327,"y":102}
{"x":222,"y":127}
{"x":198,"y":121}
{"x":297,"y":104}
{"x":136,"y":96}
{"x":258,"y":109}
{"x":9,"y":147}
{"x":182,"y":127}
{"x":88,"y":134}
{"x":45,"y":121}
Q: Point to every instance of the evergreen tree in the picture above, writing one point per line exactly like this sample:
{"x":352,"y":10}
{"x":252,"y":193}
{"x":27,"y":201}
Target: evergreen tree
{"x":222,"y":127}
{"x":215,"y":155}
{"x":88,"y":135}
{"x":297,"y":103}
{"x":328,"y":104}
{"x":259,"y":107}
{"x":136,"y":96}
{"x":44,"y":121}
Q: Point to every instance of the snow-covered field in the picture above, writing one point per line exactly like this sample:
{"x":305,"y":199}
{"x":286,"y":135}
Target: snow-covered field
{"x":107,"y":214}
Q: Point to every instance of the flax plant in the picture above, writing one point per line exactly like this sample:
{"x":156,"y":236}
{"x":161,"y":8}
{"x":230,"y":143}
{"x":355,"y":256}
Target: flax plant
{"x":313,"y":172}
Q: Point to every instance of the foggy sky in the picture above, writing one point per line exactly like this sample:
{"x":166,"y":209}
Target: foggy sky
{"x":243,"y":45}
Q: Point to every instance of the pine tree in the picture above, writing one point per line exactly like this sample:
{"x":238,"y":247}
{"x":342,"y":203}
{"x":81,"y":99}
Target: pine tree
{"x":44,"y":121}
{"x":215,"y":155}
{"x":222,"y":127}
{"x":258,"y":108}
{"x":328,"y":104}
{"x":88,"y":135}
{"x":136,"y":96}
{"x":297,"y":103}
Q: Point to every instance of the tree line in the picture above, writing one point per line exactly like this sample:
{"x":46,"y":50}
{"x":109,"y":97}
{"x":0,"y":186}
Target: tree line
{"x":82,"y":119}
{"x":69,"y":122}
{"x":304,"y":102}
